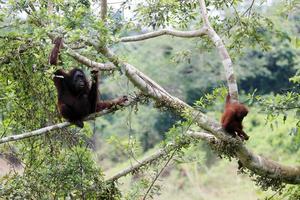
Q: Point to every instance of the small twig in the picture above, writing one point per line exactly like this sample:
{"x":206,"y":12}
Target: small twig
{"x":159,"y":173}
{"x":275,"y":193}
{"x":170,"y":158}
{"x":249,"y":9}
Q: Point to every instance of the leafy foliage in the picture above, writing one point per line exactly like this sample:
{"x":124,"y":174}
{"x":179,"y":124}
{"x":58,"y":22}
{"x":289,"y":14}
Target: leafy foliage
{"x":69,"y":173}
{"x":157,"y":13}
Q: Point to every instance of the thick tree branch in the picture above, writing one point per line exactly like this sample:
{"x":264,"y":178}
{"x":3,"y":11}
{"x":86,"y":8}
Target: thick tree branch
{"x":184,"y":34}
{"x":154,"y":90}
{"x":226,"y":60}
{"x":258,"y":164}
{"x":62,"y":125}
{"x":261,"y":165}
{"x":267,"y":167}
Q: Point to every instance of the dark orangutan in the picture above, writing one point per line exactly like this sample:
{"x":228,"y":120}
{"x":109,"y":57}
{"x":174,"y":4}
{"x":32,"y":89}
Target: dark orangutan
{"x":76,"y":98}
{"x":232,"y":118}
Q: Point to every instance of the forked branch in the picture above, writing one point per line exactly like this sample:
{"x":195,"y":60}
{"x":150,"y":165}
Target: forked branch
{"x":208,"y":30}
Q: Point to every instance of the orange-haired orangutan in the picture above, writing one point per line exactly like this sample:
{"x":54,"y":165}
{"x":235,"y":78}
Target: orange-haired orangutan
{"x":232,"y":118}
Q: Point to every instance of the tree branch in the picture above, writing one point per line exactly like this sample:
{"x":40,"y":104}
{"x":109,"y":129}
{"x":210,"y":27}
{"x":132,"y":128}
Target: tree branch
{"x":103,"y":12}
{"x":184,"y":34}
{"x":34,"y":133}
{"x":148,"y":160}
{"x":62,"y":125}
{"x":207,"y":29}
{"x":226,"y":60}
{"x":249,"y":9}
{"x":158,"y":174}
{"x":84,"y":60}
